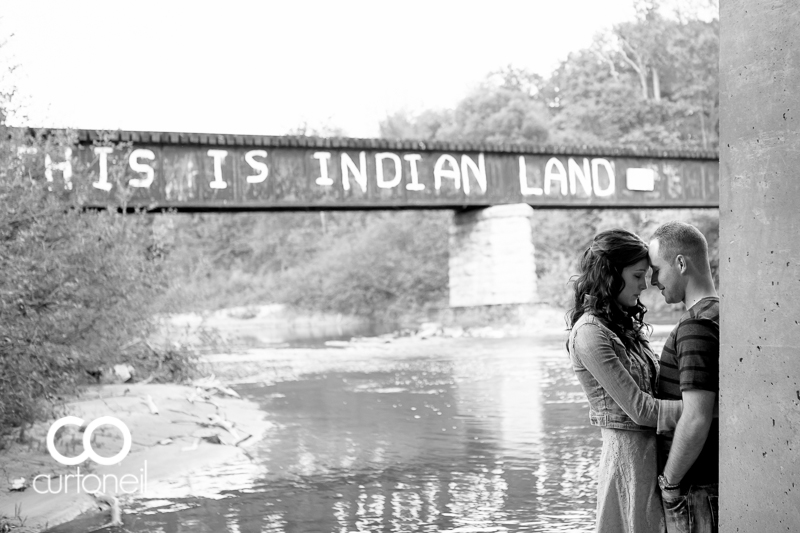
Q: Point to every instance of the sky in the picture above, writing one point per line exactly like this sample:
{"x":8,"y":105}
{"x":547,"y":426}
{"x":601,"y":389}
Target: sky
{"x":269,"y":67}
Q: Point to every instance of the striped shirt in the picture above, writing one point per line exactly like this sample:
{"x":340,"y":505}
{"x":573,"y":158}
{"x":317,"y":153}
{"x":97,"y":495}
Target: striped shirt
{"x":690,"y":361}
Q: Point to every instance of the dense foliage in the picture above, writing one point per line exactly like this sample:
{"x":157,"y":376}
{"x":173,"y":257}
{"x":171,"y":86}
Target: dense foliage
{"x":650,"y":82}
{"x":78,"y":288}
{"x":367,"y":263}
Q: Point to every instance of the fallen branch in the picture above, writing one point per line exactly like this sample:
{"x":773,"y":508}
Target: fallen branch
{"x":218,"y":421}
{"x":202,"y":396}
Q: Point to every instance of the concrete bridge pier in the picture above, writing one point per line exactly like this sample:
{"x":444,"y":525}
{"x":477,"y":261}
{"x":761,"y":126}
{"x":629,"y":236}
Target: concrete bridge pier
{"x":492,"y":257}
{"x":759,"y":274}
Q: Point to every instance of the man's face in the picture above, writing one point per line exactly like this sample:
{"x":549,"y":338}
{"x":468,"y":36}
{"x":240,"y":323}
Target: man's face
{"x":666,"y":276}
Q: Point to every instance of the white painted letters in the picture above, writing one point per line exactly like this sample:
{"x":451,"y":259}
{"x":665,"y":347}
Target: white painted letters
{"x":398,"y":172}
{"x":102,"y":182}
{"x":577,"y":174}
{"x":219,"y":157}
{"x":549,"y":175}
{"x":587,"y":175}
{"x":479,"y":171}
{"x":560,"y":178}
{"x":440,"y":172}
{"x":65,"y":167}
{"x":415,"y":185}
{"x":359,"y":173}
{"x":323,"y":158}
{"x":596,"y":164}
{"x":260,"y":166}
{"x":524,"y":188}
{"x":142,"y":168}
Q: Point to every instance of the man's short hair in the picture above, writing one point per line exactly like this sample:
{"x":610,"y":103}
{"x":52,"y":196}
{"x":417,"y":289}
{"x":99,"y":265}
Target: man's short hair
{"x":680,"y":238}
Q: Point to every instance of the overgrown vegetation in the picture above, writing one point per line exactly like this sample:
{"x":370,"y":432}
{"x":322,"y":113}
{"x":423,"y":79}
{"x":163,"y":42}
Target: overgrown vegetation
{"x":78,"y":288}
{"x":376,"y":264}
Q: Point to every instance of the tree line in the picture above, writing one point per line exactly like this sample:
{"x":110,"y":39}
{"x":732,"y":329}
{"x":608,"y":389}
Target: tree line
{"x":648,"y":82}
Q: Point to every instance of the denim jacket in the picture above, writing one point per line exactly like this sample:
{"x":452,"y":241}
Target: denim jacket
{"x":619,"y":383}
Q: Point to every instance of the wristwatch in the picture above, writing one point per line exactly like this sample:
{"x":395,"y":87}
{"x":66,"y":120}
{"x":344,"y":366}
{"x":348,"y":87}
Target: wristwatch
{"x":663,"y":484}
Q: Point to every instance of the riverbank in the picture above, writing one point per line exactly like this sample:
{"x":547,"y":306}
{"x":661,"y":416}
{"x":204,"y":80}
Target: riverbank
{"x":275,"y":325}
{"x":173,"y":451}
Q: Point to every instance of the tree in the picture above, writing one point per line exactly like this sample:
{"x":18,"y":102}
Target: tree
{"x":497,"y":115}
{"x":78,"y":287}
{"x":322,"y":129}
{"x":394,"y":265}
{"x":650,"y":82}
{"x":425,"y":126}
{"x":593,"y":102}
{"x":498,"y":111}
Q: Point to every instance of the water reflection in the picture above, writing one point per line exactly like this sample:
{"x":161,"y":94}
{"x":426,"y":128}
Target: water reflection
{"x":466,"y":435}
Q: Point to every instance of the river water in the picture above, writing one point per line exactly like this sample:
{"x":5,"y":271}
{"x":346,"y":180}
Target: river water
{"x":468,"y":435}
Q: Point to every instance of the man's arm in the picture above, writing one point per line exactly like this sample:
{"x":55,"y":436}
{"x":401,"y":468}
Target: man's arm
{"x":691,"y":433}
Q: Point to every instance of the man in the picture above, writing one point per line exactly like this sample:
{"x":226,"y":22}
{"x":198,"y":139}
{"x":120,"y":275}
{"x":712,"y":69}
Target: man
{"x":688,"y":460}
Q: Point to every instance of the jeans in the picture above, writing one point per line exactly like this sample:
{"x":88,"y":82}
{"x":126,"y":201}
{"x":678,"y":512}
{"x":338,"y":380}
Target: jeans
{"x":696,"y":511}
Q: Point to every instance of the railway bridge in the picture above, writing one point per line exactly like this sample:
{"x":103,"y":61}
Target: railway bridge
{"x":492,"y":189}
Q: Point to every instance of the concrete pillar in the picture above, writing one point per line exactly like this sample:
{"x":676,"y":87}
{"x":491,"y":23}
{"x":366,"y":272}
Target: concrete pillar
{"x":491,"y":257}
{"x":760,"y":265}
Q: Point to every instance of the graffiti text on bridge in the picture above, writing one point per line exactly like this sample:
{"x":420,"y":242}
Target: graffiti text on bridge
{"x":192,"y":176}
{"x":388,"y":171}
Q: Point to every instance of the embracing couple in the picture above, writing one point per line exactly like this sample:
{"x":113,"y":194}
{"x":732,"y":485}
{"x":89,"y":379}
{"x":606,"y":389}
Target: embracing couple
{"x":658,"y":416}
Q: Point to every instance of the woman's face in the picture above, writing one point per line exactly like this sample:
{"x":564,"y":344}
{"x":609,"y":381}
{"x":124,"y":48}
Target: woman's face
{"x":635,"y":283}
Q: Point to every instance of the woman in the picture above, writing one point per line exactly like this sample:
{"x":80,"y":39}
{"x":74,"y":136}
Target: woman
{"x":618,"y":371}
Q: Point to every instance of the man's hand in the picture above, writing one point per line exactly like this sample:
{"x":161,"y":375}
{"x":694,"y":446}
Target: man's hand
{"x":691,"y":433}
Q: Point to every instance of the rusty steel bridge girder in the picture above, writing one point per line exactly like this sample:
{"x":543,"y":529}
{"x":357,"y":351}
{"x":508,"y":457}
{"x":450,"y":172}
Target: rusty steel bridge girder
{"x":207,"y":172}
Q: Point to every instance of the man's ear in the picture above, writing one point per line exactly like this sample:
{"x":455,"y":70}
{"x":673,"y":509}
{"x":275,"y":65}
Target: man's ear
{"x":681,"y":263}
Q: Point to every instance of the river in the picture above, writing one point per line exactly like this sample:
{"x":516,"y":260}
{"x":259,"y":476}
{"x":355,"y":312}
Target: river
{"x":467,"y":434}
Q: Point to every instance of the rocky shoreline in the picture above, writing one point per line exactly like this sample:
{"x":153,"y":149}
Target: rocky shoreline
{"x":173,"y":447}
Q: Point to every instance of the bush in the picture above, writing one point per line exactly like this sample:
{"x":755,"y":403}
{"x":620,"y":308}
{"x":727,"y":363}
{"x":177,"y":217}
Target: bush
{"x":384,"y":265}
{"x":78,"y":287}
{"x":396,"y":264}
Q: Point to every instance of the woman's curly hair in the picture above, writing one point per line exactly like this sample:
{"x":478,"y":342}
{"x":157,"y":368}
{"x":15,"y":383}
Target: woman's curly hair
{"x":600,"y":278}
